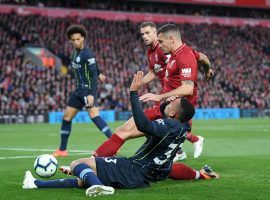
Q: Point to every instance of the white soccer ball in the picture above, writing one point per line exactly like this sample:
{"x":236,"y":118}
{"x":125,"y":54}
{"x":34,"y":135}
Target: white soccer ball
{"x":45,"y":165}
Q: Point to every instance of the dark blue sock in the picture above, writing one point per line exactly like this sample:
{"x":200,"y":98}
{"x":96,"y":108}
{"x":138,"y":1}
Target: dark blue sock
{"x":59,"y":183}
{"x":65,"y":133}
{"x":102,"y":126}
{"x":86,"y":174}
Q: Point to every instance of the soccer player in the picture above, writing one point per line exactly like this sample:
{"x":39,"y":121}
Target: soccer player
{"x":85,"y":70}
{"x":151,"y":163}
{"x":157,"y":67}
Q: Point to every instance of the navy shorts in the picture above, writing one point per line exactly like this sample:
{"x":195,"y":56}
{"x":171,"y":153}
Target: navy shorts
{"x":78,"y":99}
{"x":120,"y":173}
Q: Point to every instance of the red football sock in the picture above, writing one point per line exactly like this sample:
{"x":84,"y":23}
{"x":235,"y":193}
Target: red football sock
{"x":192,"y":138}
{"x":109,"y":147}
{"x":181,"y":171}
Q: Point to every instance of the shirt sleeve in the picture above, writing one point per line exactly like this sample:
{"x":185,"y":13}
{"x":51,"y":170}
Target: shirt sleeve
{"x":196,"y":54}
{"x":93,"y":72}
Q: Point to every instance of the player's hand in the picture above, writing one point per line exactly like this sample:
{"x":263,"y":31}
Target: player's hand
{"x":102,"y":78}
{"x":90,"y":101}
{"x":150,"y":97}
{"x":66,"y":170}
{"x":209,"y":74}
{"x":171,"y":99}
{"x":137,"y":81}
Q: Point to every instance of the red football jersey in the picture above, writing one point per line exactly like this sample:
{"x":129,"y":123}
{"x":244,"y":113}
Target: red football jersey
{"x":182,"y":66}
{"x":157,"y":62}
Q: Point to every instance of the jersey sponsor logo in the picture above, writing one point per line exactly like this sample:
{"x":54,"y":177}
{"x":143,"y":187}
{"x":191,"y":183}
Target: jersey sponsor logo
{"x":91,"y":61}
{"x":160,"y":121}
{"x":157,"y":68}
{"x":75,"y":65}
{"x":186,"y":72}
{"x":78,"y":59}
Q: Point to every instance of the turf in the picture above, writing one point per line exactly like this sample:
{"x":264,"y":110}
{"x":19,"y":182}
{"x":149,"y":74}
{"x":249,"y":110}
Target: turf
{"x":237,"y":149}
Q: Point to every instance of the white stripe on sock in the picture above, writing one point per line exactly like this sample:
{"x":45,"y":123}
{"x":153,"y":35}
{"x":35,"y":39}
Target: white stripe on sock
{"x":197,"y":175}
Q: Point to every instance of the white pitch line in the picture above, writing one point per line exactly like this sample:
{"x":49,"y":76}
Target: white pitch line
{"x":21,"y":157}
{"x":46,"y":150}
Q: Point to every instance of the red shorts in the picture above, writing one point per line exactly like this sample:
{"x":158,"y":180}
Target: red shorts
{"x":153,"y":113}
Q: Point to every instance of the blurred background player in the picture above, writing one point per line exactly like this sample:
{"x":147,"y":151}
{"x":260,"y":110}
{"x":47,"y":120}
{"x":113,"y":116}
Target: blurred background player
{"x":85,"y":70}
{"x":157,"y":67}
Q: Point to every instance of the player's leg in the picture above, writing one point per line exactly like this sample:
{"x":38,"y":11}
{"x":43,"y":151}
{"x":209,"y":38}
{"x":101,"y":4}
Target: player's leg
{"x":111,"y":146}
{"x":99,"y":122}
{"x":69,"y":114}
{"x":30,"y":182}
{"x":85,"y":170}
{"x":197,"y":142}
{"x":127,"y":131}
{"x":181,"y":171}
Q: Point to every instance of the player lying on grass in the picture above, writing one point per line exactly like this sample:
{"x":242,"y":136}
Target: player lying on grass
{"x":151,"y":163}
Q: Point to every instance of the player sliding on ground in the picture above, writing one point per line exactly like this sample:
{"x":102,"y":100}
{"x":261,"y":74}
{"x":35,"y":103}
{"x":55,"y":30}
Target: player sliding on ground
{"x":152,"y":162}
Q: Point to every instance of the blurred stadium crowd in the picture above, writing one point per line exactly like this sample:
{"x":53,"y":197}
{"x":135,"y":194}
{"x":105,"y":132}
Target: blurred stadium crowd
{"x":150,"y":6}
{"x":240,"y":58}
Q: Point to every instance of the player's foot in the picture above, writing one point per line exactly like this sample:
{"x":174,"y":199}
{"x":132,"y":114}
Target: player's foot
{"x":65,"y":170}
{"x":208,"y":173}
{"x":198,"y":147}
{"x":95,"y":190}
{"x":59,"y":153}
{"x":180,"y":156}
{"x":29,"y":181}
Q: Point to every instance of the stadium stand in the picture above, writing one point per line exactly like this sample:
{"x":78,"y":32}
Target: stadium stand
{"x":150,"y":6}
{"x":240,"y":57}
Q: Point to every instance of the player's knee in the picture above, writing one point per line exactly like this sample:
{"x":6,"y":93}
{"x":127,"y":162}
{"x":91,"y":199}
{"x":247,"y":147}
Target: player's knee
{"x":67,"y":116}
{"x":93,"y":112}
{"x":73,"y":164}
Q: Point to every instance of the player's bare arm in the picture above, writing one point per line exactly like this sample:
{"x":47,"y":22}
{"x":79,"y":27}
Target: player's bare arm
{"x":149,"y":77}
{"x":205,"y":63}
{"x":185,"y":89}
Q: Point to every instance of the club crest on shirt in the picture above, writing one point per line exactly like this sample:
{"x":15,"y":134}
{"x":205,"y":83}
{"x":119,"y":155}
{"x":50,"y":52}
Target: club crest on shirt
{"x":160,"y":121}
{"x":157,"y":68}
{"x":171,"y":64}
{"x":78,"y":59}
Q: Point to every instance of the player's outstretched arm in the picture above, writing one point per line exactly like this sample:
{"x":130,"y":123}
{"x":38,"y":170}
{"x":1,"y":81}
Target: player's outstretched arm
{"x":143,"y":124}
{"x":185,"y":89}
{"x":149,"y":77}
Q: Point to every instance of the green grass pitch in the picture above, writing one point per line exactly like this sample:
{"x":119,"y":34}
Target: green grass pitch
{"x":237,"y":149}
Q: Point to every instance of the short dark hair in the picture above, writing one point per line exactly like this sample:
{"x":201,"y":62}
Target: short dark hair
{"x":169,"y":28}
{"x":145,"y":24}
{"x":76,"y":28}
{"x":187,"y":110}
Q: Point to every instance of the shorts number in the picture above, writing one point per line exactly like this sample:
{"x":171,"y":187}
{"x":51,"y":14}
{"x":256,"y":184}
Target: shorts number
{"x":108,"y":160}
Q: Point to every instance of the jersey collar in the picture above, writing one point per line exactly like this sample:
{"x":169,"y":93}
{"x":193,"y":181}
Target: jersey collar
{"x":179,"y":49}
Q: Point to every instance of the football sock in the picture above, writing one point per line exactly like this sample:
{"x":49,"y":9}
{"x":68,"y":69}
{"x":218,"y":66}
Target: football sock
{"x":110,"y":147}
{"x":59,"y":183}
{"x":65,"y":133}
{"x":86,"y":174}
{"x":192,"y":138}
{"x":102,"y":126}
{"x":182,"y":172}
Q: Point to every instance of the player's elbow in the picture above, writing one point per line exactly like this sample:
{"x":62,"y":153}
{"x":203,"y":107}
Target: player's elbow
{"x":189,"y":90}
